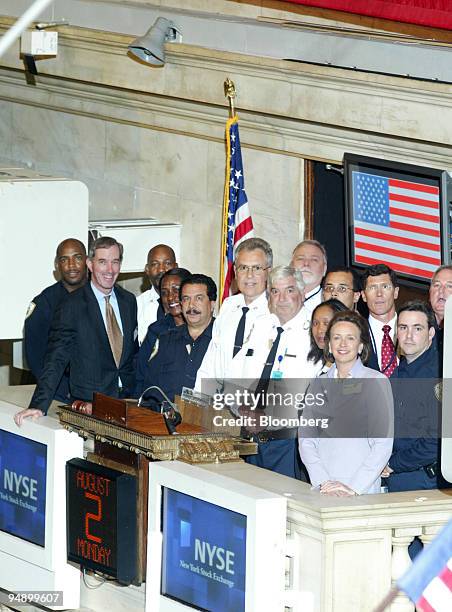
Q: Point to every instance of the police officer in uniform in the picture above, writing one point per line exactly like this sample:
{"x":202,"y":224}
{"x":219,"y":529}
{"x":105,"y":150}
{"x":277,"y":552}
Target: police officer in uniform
{"x":70,"y":263}
{"x":414,"y":463}
{"x":169,"y":294}
{"x":181,"y":350}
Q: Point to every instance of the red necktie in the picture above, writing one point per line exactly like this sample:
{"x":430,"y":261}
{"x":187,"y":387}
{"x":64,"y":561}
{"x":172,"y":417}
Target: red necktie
{"x":388,"y":353}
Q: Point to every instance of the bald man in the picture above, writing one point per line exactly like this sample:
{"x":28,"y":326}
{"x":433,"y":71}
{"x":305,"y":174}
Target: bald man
{"x":161,"y":258}
{"x":70,"y":264}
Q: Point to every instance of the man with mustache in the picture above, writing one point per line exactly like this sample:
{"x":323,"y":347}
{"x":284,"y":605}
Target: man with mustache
{"x":310,"y":258}
{"x":181,"y":350}
{"x":161,"y":258}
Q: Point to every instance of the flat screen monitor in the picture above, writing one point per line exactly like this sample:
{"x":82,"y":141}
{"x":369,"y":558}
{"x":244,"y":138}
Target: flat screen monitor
{"x":204,"y":553}
{"x":213,"y":542}
{"x":33,"y":507}
{"x":23,"y":467}
{"x":397,"y":214}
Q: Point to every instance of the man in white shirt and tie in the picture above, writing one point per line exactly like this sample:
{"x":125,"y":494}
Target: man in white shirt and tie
{"x":379,"y":291}
{"x":253,"y":261}
{"x":276,"y":352}
{"x":161,"y":258}
{"x":310,"y":258}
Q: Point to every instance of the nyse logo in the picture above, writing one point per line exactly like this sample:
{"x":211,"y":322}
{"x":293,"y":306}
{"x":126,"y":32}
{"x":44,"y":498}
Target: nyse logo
{"x":214,"y":556}
{"x":19,"y":484}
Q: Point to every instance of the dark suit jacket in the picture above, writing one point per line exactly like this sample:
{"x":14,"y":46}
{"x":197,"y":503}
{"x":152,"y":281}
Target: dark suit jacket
{"x":78,"y":337}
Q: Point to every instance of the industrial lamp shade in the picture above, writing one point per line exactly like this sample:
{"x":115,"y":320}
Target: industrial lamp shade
{"x":149,"y":48}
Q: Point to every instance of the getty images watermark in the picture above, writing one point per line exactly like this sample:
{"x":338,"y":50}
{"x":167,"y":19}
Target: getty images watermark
{"x":248,"y":408}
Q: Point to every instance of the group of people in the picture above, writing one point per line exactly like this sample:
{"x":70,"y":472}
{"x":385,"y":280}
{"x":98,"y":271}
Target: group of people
{"x":297,"y":322}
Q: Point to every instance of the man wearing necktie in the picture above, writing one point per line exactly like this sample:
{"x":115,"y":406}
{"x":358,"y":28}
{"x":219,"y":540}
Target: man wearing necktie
{"x":277,"y":350}
{"x":310,"y":258}
{"x":94,"y":332}
{"x":253,"y":260}
{"x":380,"y":290}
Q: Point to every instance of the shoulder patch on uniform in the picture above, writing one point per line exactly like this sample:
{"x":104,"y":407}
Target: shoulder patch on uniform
{"x":438,"y":390}
{"x":30,"y":309}
{"x":155,"y":350}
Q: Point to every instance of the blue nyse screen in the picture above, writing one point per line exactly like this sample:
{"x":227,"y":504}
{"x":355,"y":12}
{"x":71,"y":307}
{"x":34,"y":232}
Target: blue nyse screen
{"x":23,"y":465}
{"x":204,"y":553}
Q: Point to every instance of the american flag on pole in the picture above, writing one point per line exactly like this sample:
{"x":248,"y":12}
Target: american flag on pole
{"x":237,"y":222}
{"x":428,"y":582}
{"x":396,"y":222}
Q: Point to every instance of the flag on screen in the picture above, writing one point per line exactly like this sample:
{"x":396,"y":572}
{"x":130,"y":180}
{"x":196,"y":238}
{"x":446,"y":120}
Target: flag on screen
{"x":396,"y":222}
{"x":428,"y":582}
{"x":237,"y":222}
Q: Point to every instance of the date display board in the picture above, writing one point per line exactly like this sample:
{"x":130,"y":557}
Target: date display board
{"x":102,"y":519}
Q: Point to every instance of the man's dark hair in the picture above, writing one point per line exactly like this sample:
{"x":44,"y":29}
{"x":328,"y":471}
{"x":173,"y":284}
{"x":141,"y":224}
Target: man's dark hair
{"x":315,"y":353}
{"x":350,"y":316}
{"x":182,"y":273}
{"x":201,"y":279}
{"x":104,"y":242}
{"x":377,"y":270}
{"x":356,"y":283}
{"x":419,"y":306}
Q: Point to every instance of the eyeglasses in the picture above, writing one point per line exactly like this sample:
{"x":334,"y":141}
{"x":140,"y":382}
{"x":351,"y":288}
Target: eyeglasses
{"x":338,"y":288}
{"x":383,"y":287}
{"x":242,"y":269}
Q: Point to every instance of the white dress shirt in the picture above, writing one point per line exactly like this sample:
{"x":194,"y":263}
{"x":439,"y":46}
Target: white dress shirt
{"x":147,"y":307}
{"x":312,"y":299}
{"x":376,"y":334}
{"x":218,"y":358}
{"x":291,"y":359}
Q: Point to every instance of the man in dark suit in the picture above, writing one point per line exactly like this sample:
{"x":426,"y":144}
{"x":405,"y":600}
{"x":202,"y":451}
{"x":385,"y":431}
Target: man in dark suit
{"x":94,"y":332}
{"x":379,"y":289}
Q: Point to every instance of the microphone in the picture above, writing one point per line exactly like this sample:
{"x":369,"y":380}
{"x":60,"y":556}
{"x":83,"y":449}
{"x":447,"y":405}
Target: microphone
{"x":172,"y":415}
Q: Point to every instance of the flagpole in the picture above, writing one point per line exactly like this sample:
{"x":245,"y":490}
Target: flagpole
{"x":229,"y":92}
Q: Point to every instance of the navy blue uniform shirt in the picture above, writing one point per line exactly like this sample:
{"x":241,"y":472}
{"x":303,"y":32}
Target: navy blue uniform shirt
{"x":175,"y":364}
{"x":36,"y":334}
{"x":155,"y":330}
{"x":416,"y":408}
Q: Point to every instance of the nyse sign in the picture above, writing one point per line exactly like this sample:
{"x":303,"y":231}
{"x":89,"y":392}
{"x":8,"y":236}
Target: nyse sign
{"x":23,"y":471}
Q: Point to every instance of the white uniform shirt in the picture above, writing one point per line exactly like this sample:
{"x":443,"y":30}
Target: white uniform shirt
{"x":376,"y":334}
{"x":312,"y":299}
{"x":218,"y":358}
{"x":147,"y":307}
{"x":291,"y":358}
{"x":291,"y":367}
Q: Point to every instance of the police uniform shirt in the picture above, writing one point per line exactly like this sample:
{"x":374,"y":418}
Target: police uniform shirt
{"x":176,"y":363}
{"x":149,"y":310}
{"x":312,"y":299}
{"x":149,"y":346}
{"x":36,"y":333}
{"x":218,"y":359}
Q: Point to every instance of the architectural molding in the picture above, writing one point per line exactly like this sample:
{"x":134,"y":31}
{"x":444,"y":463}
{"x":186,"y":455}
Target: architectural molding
{"x":280,"y":135}
{"x":374,"y":108}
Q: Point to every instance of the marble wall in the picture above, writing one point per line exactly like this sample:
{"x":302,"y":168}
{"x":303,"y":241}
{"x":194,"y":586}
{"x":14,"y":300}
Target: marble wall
{"x":135,"y":172}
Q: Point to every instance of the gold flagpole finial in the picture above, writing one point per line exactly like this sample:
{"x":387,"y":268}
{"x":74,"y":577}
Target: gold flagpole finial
{"x":229,"y":92}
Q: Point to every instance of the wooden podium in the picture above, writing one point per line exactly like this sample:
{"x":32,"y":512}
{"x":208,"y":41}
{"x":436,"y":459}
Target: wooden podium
{"x":127,"y":437}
